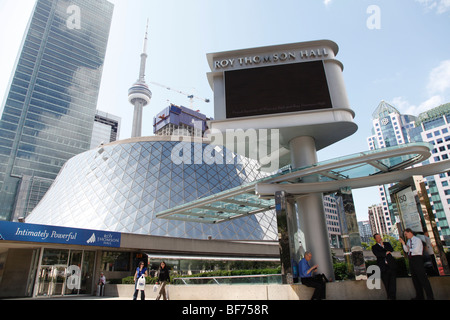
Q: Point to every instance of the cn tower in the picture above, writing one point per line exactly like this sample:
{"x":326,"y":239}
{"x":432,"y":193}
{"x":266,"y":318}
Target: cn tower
{"x":139,"y":94}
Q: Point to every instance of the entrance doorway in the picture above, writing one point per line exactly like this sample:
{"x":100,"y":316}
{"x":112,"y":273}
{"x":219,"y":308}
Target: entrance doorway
{"x":51,"y":280}
{"x":65,"y":272}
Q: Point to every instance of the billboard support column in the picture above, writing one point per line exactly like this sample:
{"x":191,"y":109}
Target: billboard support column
{"x":311,"y":212}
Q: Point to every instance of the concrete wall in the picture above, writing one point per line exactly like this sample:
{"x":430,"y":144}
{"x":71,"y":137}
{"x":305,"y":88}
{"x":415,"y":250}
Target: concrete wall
{"x":126,"y":291}
{"x":346,"y":290}
{"x":15,"y":273}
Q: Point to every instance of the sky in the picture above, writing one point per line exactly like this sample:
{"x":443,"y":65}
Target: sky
{"x":397,"y":51}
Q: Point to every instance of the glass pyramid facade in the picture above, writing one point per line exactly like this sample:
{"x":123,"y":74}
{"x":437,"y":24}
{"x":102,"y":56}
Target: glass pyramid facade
{"x":122,"y":186}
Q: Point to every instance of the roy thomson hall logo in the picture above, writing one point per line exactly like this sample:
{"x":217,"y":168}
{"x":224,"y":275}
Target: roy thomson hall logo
{"x":104,"y":238}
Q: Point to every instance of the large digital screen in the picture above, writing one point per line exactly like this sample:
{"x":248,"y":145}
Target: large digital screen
{"x":276,"y":89}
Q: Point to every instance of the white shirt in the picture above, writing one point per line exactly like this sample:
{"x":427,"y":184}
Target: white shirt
{"x":414,"y":246}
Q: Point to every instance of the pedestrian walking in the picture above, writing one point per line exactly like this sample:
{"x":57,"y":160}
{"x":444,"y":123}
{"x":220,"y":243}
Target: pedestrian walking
{"x":163,"y":279}
{"x":141,"y":270}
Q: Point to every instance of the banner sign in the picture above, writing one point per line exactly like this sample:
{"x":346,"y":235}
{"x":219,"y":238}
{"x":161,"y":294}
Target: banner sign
{"x":408,"y":210}
{"x":23,"y":232}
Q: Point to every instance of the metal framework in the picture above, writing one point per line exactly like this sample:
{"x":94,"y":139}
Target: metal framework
{"x":356,"y":171}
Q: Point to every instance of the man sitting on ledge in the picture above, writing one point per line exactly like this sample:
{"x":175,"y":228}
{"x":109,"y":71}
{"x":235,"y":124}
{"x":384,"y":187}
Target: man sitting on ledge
{"x":306,"y":273}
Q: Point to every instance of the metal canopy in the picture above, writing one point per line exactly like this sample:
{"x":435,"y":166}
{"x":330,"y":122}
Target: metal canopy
{"x":245,"y":201}
{"x":224,"y":206}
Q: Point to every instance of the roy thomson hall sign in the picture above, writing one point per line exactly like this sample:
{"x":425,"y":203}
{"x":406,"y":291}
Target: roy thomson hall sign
{"x":274,"y":80}
{"x":304,"y":55}
{"x":23,"y":232}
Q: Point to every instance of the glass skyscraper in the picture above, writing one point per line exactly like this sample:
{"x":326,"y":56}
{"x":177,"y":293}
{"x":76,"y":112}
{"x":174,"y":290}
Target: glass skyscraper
{"x":49,"y":112}
{"x":433,"y":126}
{"x":390,"y":128}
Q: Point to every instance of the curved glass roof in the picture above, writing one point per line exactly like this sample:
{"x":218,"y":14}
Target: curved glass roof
{"x":242,"y":201}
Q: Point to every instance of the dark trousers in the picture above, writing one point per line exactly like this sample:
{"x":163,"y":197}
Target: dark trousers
{"x":419,"y":278}
{"x":136,"y":292}
{"x":389,"y":278}
{"x":318,"y":284}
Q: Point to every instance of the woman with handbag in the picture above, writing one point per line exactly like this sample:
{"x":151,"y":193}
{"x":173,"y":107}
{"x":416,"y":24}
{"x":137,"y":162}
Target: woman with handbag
{"x":141,"y":272}
{"x":163,"y":278}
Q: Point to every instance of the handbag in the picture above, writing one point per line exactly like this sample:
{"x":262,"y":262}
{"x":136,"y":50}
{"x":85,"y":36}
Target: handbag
{"x":141,"y":283}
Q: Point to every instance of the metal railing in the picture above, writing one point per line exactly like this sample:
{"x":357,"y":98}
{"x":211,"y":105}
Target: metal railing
{"x":229,"y":280}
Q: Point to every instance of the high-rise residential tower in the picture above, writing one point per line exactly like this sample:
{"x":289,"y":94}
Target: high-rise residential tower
{"x":139,"y":94}
{"x":49,"y":110}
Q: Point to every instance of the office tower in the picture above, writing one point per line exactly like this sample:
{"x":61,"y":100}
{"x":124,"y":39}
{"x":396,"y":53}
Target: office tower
{"x":390,"y":128}
{"x":48,"y":113}
{"x":365,"y":231}
{"x":179,"y":120}
{"x":433,"y":126}
{"x":106,"y":129}
{"x":333,"y":221}
{"x":139,"y":95}
{"x":377,"y":220}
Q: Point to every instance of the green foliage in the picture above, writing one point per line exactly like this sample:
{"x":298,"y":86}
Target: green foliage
{"x":228,"y":273}
{"x":341,"y":271}
{"x":386,"y":238}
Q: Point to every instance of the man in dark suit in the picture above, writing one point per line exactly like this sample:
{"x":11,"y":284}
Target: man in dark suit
{"x":388,"y":265}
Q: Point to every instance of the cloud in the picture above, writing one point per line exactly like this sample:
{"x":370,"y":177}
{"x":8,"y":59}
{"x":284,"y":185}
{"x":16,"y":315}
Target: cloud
{"x":438,"y":88}
{"x":441,"y":6}
{"x":405,"y":107}
{"x":327,"y":2}
{"x":439,"y":79}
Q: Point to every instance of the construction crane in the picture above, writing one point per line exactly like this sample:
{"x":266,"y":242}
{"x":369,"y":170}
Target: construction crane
{"x":191,"y":97}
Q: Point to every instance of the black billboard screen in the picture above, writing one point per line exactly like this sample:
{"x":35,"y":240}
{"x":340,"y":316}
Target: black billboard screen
{"x":276,"y":89}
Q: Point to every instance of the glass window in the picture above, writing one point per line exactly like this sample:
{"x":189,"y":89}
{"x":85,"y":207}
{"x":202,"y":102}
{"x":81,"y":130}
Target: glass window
{"x":115,"y":261}
{"x":55,"y":257}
